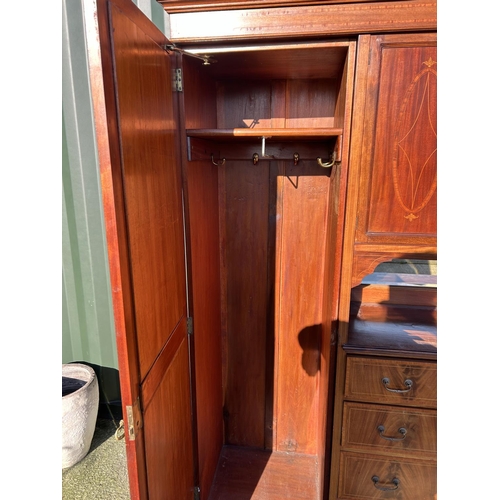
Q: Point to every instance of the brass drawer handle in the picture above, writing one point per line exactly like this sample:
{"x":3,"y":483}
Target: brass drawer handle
{"x":408,"y":384}
{"x":401,"y":430}
{"x":395,"y":482}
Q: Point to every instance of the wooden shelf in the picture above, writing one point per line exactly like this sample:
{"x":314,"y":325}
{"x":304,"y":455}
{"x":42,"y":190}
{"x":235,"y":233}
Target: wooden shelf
{"x":276,"y":143}
{"x":268,"y":133}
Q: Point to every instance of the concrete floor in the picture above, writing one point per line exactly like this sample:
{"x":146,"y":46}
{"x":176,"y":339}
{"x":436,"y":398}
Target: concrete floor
{"x":102,"y":473}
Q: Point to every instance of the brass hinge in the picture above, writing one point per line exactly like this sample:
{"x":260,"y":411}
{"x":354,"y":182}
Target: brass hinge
{"x":134,"y":419}
{"x":177,"y":80}
{"x":190,"y":329}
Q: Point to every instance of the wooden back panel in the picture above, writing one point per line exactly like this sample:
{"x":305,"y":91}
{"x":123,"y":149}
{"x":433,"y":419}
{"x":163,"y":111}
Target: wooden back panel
{"x":246,"y":202}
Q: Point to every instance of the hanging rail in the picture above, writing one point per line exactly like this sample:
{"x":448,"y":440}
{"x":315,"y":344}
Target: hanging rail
{"x":215,"y":136}
{"x":276,"y":133}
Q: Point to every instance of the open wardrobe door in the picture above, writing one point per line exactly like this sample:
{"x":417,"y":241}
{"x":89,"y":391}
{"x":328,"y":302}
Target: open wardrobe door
{"x":136,"y":116}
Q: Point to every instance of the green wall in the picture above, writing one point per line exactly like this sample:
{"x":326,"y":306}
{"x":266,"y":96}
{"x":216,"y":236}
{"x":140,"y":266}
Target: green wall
{"x":88,"y":333}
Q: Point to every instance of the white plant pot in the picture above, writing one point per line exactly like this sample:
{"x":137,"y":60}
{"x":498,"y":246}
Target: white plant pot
{"x":80,"y":402}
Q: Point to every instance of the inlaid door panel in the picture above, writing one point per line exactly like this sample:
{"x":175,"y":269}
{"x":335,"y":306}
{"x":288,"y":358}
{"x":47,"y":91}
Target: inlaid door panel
{"x":402,"y":194}
{"x":396,"y":212}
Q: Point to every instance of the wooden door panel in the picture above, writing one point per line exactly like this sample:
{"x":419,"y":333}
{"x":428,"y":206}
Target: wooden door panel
{"x":152,"y":185}
{"x":395,"y":160}
{"x":403,"y":177}
{"x":168,"y":433}
{"x":399,"y":169}
{"x":136,"y":119}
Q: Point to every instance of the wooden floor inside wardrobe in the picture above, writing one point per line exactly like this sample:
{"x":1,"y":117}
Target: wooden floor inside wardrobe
{"x":255,"y":474}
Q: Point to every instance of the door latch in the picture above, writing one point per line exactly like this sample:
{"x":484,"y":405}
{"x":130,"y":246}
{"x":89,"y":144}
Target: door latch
{"x":134,"y":419}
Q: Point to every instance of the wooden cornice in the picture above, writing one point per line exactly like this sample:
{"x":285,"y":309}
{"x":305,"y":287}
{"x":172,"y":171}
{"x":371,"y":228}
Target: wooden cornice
{"x":174,"y":6}
{"x":299,"y":21}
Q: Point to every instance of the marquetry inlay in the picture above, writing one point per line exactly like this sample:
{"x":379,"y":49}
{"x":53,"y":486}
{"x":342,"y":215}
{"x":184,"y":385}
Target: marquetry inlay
{"x":415,"y":159}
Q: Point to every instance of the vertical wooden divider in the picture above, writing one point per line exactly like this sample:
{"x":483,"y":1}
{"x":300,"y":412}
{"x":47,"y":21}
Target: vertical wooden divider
{"x":304,"y":214}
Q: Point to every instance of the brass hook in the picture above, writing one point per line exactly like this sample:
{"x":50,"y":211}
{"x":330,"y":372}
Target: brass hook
{"x":295,"y":158}
{"x":255,"y":158}
{"x":218,"y":163}
{"x":327,"y":164}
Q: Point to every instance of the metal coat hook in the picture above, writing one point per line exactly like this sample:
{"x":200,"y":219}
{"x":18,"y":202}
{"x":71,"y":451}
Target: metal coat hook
{"x":218,"y":163}
{"x":326,"y":164}
{"x":295,"y":158}
{"x":255,"y":158}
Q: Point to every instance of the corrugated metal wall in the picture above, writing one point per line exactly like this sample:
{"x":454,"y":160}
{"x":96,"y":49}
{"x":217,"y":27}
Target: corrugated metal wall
{"x":87,"y":328}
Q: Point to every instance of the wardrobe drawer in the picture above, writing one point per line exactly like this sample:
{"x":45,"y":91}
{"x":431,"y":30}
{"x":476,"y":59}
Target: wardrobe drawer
{"x":393,"y":381}
{"x":371,"y":477}
{"x":379,"y":428}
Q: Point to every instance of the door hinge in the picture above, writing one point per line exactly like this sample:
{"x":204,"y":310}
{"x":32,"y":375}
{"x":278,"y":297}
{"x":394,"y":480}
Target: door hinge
{"x":134,"y":419}
{"x":190,"y":326}
{"x":177,"y":79}
{"x":197,"y":492}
